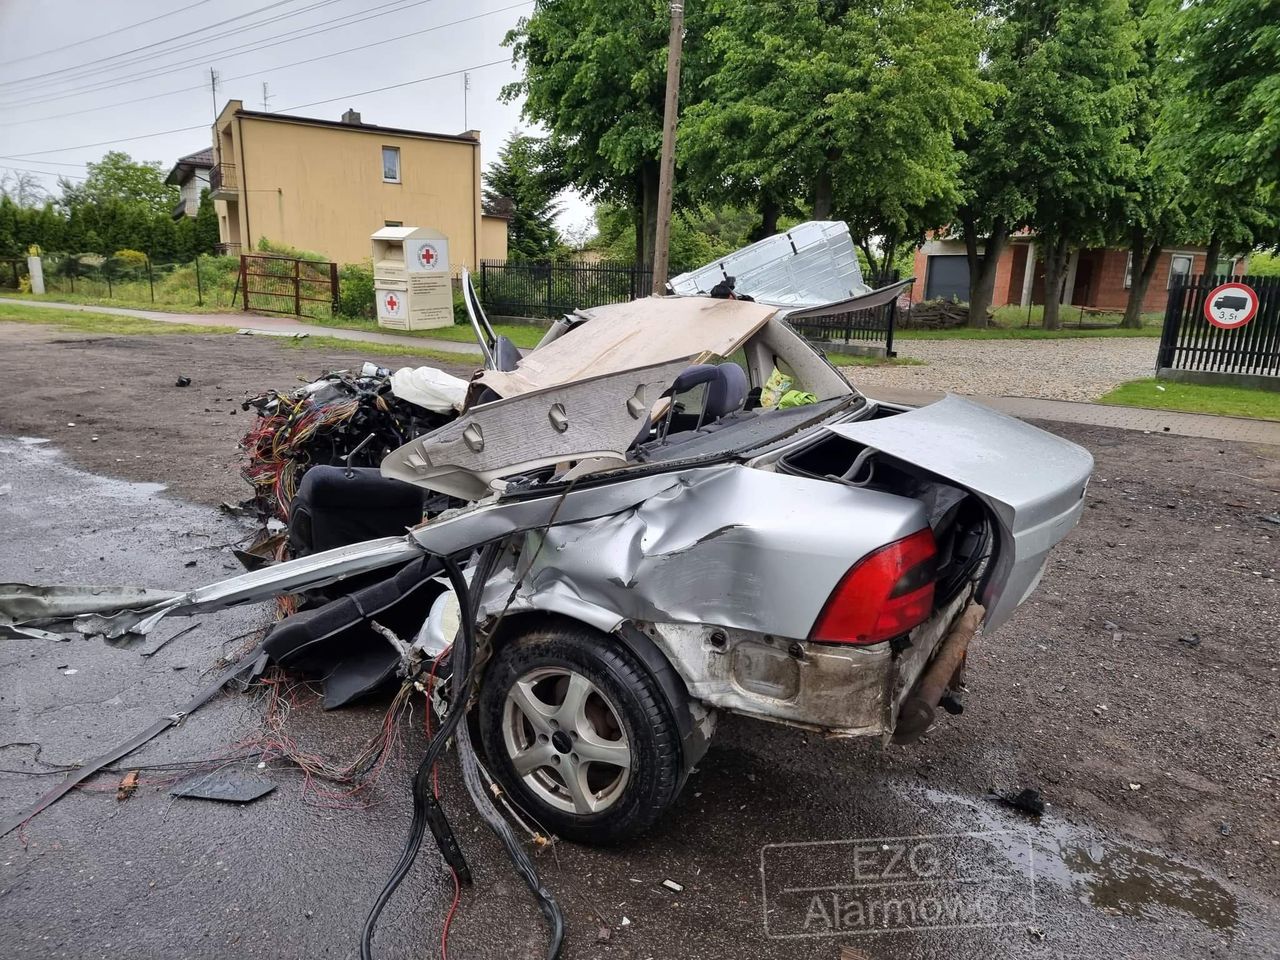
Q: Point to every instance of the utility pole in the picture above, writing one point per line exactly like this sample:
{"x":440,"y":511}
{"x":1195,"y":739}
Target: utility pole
{"x":667,"y":169}
{"x":213,"y":90}
{"x":266,"y":98}
{"x":466,"y":85}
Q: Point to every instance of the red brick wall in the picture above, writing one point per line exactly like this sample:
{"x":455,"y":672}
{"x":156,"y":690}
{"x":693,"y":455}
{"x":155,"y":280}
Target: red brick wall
{"x":1011,"y":291}
{"x":918,"y":268}
{"x":1109,"y":290}
{"x":1004,"y":267}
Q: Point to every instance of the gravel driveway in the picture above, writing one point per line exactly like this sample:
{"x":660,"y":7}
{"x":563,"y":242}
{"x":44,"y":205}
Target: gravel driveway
{"x":1081,"y":369}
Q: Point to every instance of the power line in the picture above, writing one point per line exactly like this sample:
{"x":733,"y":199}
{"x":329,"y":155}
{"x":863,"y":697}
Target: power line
{"x":43,"y":173}
{"x":89,"y":65}
{"x":47,"y":163}
{"x":313,"y":103}
{"x":282,"y":66}
{"x":397,"y":86}
{"x":107,"y":143}
{"x":109,"y":33}
{"x":299,"y":33}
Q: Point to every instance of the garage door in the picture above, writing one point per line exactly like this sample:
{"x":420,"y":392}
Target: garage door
{"x":947,"y":278}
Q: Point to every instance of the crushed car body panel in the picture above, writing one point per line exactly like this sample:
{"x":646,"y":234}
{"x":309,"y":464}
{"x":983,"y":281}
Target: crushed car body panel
{"x":1033,"y":481}
{"x":596,"y":418}
{"x":813,"y":263}
{"x":708,"y":549}
{"x":630,"y":336}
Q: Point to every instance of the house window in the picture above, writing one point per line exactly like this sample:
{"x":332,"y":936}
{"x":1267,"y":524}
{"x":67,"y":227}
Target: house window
{"x":391,"y":164}
{"x":1226,"y":268}
{"x":1179,"y":268}
{"x":393,"y":223}
{"x":1128,"y":271}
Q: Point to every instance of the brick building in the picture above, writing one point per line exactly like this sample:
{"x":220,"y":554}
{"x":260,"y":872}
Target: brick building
{"x":1097,"y":278}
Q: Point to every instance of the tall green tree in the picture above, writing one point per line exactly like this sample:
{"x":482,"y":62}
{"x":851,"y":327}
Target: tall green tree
{"x":1054,"y":154}
{"x":855,"y":105}
{"x":119,"y":177}
{"x":595,"y":77}
{"x":1152,"y":210}
{"x":1089,"y":91}
{"x":23,"y":188}
{"x":522,"y":185}
{"x":1221,"y":60}
{"x":205,"y":240}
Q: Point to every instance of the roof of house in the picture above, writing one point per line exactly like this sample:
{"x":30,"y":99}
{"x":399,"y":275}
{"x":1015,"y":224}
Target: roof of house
{"x":470,"y":136}
{"x":186,"y":166}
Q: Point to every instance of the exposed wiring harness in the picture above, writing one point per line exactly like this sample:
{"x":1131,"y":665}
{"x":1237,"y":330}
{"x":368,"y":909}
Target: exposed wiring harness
{"x":426,"y":807}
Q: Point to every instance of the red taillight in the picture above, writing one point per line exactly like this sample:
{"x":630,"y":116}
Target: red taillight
{"x":887,"y":593}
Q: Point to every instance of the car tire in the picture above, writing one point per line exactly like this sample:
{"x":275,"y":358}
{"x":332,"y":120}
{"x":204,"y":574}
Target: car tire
{"x":580,"y":734}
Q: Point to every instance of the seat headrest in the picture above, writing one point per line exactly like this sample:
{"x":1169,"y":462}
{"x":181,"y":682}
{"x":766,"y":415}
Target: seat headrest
{"x":726,"y":393}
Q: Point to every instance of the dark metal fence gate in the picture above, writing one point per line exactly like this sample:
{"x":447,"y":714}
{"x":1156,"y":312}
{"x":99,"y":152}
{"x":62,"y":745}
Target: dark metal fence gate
{"x":549,"y":289}
{"x":275,"y":284}
{"x":1193,"y":349}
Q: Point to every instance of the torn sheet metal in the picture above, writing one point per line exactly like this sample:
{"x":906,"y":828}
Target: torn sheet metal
{"x":812,"y":263}
{"x":708,"y":549}
{"x":130,"y":620}
{"x":1033,"y":481}
{"x":599,"y":417}
{"x":24,"y":602}
{"x":631,"y":336}
{"x":447,"y":534}
{"x":227,"y":786}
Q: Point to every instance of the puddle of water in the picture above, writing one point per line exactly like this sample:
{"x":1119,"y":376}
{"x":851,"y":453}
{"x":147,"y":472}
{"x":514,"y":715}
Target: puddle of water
{"x":32,"y":441}
{"x":1116,"y":877}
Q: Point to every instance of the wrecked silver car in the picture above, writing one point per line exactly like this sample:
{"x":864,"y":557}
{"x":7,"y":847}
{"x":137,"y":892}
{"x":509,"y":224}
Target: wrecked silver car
{"x":669,"y":508}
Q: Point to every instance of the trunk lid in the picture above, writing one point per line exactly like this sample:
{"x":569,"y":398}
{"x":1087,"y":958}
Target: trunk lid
{"x":1034,"y":482}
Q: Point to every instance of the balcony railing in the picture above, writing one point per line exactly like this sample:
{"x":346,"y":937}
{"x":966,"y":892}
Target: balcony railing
{"x":224,"y":181}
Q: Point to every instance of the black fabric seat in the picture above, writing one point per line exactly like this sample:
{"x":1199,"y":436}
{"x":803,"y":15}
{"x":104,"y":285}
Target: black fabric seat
{"x":335,"y":506}
{"x":335,"y":645}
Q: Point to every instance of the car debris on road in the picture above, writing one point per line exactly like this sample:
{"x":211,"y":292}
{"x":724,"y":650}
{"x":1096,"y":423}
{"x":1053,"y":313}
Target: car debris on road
{"x":627,"y":538}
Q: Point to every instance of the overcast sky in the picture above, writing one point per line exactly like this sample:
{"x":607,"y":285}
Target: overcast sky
{"x":94,"y":57}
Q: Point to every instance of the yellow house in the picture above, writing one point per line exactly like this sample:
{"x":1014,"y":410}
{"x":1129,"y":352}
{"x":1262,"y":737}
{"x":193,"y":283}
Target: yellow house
{"x":326,"y":185}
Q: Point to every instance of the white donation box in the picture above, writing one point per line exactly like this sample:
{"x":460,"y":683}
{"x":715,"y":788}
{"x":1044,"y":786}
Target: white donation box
{"x":411,"y":285}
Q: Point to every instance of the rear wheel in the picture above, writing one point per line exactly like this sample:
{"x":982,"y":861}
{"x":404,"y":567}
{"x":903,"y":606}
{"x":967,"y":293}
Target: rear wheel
{"x":580,"y":733}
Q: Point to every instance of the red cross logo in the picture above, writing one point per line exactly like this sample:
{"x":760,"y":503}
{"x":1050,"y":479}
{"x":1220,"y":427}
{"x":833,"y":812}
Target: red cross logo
{"x":427,"y":254}
{"x":392,"y":303}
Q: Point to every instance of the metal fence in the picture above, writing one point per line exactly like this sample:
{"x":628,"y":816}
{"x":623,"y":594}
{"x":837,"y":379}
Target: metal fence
{"x":548,"y":289}
{"x":1192,"y":348}
{"x":275,"y":284}
{"x":12,"y":270}
{"x":202,"y":282}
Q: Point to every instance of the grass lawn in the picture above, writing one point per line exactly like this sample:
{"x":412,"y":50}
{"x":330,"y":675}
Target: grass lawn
{"x":110,"y":323}
{"x":99,"y":322}
{"x":1010,"y":323}
{"x":1196,"y":398}
{"x":523,"y":335}
{"x":131,"y":304}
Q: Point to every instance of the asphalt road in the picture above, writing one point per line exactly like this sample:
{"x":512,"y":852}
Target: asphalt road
{"x":1157,"y":752}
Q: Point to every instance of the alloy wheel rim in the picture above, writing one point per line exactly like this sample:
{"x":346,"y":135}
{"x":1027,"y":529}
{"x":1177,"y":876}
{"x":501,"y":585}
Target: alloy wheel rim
{"x":565,"y":740}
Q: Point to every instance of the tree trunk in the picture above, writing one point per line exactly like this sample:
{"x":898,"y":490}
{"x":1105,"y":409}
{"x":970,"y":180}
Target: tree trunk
{"x":1144,"y":260}
{"x":770,"y":210}
{"x":1055,"y":268}
{"x":649,"y":202}
{"x":982,"y":276}
{"x":638,"y":216}
{"x":1212,"y":254}
{"x":888,"y":251}
{"x":822,"y":194}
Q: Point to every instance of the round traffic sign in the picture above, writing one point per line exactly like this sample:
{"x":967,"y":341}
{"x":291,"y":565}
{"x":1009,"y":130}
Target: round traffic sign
{"x":1231,"y":305}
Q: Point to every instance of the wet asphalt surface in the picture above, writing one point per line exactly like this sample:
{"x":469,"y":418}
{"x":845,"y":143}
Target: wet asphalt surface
{"x":1158,"y":756}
